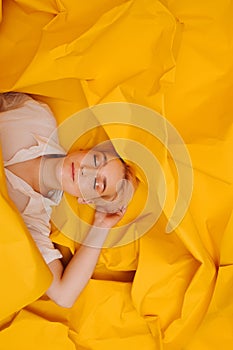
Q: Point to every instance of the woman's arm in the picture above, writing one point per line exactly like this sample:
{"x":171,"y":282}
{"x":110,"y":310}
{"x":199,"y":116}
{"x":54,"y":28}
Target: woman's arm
{"x":68,"y":283}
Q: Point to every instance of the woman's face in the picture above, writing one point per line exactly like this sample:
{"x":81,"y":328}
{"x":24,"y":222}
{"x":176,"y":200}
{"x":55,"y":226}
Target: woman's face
{"x":91,"y":174}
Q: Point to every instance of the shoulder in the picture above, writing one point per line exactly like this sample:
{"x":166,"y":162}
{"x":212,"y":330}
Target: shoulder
{"x":40,"y":111}
{"x":26,"y":111}
{"x":20,"y":125}
{"x":28,"y":117}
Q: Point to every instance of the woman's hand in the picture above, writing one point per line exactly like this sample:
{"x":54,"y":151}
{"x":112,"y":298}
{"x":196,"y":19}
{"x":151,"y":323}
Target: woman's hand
{"x":108,"y":220}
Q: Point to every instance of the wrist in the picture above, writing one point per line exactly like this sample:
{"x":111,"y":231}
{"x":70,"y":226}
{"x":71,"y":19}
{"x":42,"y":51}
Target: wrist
{"x":101,"y":225}
{"x":96,"y":236}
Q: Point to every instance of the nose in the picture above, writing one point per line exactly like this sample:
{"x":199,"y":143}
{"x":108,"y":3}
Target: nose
{"x":88,"y":171}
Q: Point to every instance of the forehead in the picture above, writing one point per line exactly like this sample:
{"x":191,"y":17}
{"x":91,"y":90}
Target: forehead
{"x":113,"y":172}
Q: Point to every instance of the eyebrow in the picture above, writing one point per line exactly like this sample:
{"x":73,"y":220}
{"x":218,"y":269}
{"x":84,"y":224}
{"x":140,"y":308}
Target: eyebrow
{"x":105,"y":157}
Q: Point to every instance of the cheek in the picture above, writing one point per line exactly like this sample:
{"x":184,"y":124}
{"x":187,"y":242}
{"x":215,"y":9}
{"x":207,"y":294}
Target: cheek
{"x":71,"y":189}
{"x":86,"y":187}
{"x":112,"y":189}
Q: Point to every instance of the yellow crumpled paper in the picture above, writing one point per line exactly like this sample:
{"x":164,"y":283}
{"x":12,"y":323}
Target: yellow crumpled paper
{"x":162,"y":291}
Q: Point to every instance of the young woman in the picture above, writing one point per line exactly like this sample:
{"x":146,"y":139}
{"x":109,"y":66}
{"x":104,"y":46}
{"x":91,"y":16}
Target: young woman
{"x":38,"y":171}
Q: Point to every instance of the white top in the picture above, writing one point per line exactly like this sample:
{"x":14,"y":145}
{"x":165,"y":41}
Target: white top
{"x":24,"y":134}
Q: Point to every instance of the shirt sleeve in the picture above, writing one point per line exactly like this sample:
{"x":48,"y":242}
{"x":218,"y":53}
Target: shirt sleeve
{"x":45,"y":246}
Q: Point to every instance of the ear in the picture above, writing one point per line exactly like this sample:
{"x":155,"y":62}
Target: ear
{"x":84,"y":201}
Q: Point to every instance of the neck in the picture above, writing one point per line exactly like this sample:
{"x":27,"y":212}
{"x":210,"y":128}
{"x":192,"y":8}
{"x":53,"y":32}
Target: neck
{"x":50,"y":174}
